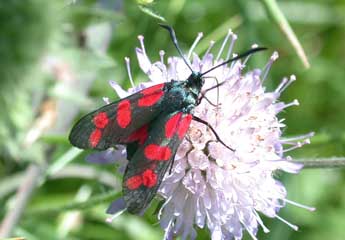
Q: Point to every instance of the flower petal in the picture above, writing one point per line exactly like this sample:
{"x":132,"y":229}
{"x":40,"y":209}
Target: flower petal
{"x":116,"y":206}
{"x":107,"y":157}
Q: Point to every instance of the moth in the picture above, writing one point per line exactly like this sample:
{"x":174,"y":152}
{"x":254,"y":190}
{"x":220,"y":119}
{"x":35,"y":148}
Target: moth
{"x":152,"y":124}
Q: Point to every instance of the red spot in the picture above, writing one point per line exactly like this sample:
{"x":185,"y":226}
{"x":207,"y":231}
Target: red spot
{"x":171,"y":125}
{"x":151,"y":95}
{"x":151,"y":99}
{"x":123,"y":116}
{"x":156,"y":152}
{"x":95,"y":136}
{"x":184,"y":126}
{"x":134,"y":182}
{"x":101,"y":120}
{"x":149,"y":178}
{"x":152,"y":89}
{"x":140,"y":135}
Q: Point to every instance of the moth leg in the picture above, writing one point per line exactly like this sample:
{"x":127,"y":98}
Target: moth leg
{"x":203,"y":93}
{"x":171,"y":165}
{"x":208,"y":100}
{"x":195,"y":118}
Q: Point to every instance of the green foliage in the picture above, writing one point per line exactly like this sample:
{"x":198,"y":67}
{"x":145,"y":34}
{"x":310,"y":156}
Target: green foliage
{"x":90,"y":37}
{"x":26,"y":29}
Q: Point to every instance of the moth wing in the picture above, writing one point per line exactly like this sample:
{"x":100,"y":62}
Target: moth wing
{"x":119,"y":122}
{"x":149,"y":163}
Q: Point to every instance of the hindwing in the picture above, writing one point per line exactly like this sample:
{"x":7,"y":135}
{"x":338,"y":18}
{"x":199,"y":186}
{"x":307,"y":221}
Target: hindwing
{"x":150,"y":161}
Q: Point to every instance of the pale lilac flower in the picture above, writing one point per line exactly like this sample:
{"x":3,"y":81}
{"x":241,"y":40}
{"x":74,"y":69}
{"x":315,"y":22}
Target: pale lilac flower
{"x":210,"y":185}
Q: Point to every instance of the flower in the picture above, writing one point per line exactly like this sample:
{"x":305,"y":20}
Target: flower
{"x":210,"y":185}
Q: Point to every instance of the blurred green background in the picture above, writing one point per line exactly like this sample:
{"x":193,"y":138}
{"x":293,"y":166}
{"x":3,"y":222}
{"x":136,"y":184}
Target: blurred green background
{"x":56,"y":58}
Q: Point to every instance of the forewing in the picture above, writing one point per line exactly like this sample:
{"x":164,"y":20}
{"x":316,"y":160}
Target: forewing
{"x":120,"y":122}
{"x":145,"y":171}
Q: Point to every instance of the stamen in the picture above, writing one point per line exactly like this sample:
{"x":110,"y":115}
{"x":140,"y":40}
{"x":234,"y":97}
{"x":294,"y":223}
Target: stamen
{"x":232,"y":42}
{"x":258,"y":218}
{"x":293,"y":103}
{"x":300,"y":137}
{"x":282,"y":87}
{"x":241,"y":218}
{"x":141,"y":40}
{"x":283,"y":106}
{"x":247,"y":58}
{"x":297,"y":145}
{"x":300,"y":205}
{"x":294,"y":227}
{"x":161,"y":54}
{"x":196,"y":41}
{"x":282,"y":120}
{"x":223,"y":44}
{"x":291,"y":143}
{"x":129,"y":71}
{"x":209,"y":48}
{"x":250,"y":233}
{"x":267,"y":68}
{"x":233,"y":63}
{"x":111,"y":218}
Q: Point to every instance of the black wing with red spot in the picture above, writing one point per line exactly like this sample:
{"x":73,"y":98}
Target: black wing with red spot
{"x":150,"y":161}
{"x":120,"y":122}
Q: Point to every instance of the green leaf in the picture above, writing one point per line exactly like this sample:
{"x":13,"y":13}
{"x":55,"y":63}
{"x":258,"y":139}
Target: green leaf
{"x":151,"y":12}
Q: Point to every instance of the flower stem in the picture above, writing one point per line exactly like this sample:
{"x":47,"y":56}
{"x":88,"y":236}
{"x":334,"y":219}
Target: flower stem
{"x":278,"y":17}
{"x":23,"y":195}
{"x":323,"y":162}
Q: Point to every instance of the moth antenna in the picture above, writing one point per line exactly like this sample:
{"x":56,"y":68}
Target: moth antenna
{"x":175,"y":42}
{"x":251,"y":51}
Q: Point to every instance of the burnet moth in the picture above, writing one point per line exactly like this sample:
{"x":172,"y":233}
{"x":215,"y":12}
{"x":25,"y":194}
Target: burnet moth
{"x":151,"y":123}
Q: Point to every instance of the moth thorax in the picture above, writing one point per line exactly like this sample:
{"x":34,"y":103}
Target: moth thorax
{"x":195,"y":82}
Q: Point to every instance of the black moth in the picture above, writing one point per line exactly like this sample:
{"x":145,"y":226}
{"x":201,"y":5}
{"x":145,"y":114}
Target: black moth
{"x":151,"y":123}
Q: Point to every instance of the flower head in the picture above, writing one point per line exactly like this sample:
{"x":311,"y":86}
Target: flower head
{"x":210,"y":185}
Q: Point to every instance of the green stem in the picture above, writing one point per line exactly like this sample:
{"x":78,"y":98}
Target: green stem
{"x":323,"y":162}
{"x":103,"y":198}
{"x":278,"y":17}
